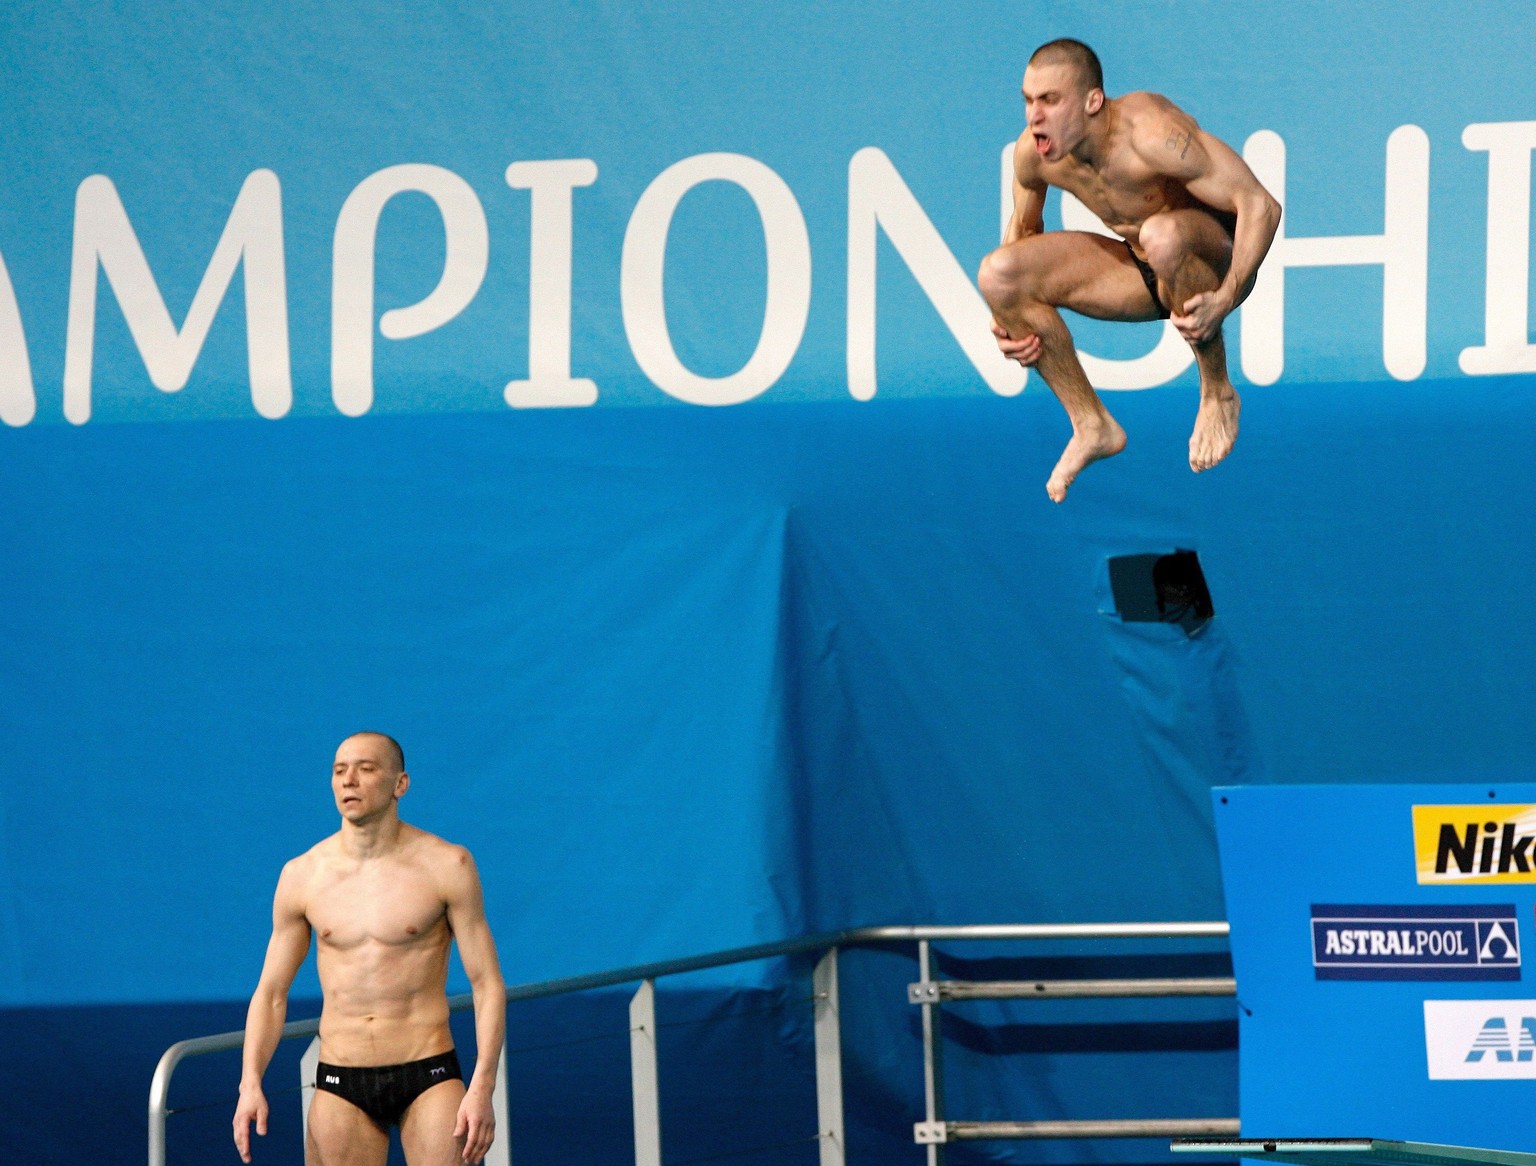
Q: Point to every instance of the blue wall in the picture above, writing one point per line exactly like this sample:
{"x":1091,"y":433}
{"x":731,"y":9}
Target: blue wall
{"x":685,"y":678}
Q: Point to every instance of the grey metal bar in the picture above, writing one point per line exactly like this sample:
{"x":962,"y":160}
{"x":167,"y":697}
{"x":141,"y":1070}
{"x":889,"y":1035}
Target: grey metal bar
{"x":500,"y":1153}
{"x":936,"y":1133}
{"x":656,"y":971}
{"x":1214,"y":930}
{"x":309,"y":1066}
{"x":851,"y":937}
{"x":829,"y":1060}
{"x":933,"y":1068}
{"x":933,"y":991}
{"x":644,"y":1079}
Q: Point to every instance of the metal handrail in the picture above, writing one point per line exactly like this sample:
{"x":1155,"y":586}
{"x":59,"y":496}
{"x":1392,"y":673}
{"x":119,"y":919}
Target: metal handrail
{"x":931,"y":991}
{"x":1149,"y":1127}
{"x":160,"y":1083}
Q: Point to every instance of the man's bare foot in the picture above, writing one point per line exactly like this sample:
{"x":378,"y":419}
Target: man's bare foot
{"x":1089,"y":444}
{"x":1215,"y":430}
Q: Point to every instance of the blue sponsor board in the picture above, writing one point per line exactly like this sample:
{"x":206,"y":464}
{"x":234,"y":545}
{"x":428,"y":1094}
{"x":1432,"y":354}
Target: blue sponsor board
{"x":1399,"y":1036}
{"x":1451,"y":942}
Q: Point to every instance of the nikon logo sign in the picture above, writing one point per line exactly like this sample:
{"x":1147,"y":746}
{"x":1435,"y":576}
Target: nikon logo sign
{"x":1475,"y":844}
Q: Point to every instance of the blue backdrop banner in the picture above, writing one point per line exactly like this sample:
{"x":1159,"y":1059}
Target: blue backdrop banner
{"x":476,"y":207}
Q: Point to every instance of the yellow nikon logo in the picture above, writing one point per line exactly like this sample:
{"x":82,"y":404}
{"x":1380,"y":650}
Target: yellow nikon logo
{"x":1475,"y":844}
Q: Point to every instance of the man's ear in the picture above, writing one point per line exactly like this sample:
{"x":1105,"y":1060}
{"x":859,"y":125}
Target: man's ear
{"x":1095,"y":101}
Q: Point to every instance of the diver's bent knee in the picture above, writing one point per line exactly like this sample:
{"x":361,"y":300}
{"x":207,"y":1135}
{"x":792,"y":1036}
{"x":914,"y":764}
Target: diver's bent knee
{"x":1006,"y":276}
{"x":1163,"y":241}
{"x":995,"y":276}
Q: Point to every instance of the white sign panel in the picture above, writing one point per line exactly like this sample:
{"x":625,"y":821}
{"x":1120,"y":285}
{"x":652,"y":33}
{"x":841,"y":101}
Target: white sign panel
{"x":1480,"y":1040}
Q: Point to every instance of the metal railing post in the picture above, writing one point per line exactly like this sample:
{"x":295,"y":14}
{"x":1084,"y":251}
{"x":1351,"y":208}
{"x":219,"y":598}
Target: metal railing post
{"x":829,"y":1061}
{"x":500,"y":1153}
{"x":159,"y":1087}
{"x":644,"y":1078}
{"x":309,"y":1065}
{"x":933,"y":1063}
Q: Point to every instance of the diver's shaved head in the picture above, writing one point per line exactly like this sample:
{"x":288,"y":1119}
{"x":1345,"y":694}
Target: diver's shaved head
{"x":1075,"y":53}
{"x":392,"y":745}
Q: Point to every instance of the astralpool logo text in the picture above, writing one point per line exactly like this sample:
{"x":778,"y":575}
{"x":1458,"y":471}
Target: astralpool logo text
{"x":1352,"y":942}
{"x":1475,"y":844}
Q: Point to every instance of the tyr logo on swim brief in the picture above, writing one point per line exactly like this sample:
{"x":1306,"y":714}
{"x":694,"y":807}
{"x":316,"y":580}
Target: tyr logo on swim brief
{"x":439,"y":1071}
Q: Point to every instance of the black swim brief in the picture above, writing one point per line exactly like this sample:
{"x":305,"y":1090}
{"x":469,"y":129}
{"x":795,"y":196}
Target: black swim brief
{"x":385,"y":1092}
{"x":1148,"y":277}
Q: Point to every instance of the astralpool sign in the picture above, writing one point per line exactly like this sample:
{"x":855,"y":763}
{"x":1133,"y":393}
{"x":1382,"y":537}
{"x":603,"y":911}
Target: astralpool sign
{"x":1462,"y":942}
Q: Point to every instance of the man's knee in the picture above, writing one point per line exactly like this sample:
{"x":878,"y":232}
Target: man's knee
{"x":1007,"y":276}
{"x":1170,"y":238}
{"x":1165,"y":242}
{"x":997,"y":277}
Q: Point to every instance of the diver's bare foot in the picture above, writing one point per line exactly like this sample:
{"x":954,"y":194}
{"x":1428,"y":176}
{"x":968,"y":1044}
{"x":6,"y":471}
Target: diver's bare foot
{"x":1215,"y":429}
{"x":1089,"y":444}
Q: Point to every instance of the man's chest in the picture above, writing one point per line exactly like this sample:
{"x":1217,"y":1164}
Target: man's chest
{"x":1118,"y":192}
{"x":397,"y":905}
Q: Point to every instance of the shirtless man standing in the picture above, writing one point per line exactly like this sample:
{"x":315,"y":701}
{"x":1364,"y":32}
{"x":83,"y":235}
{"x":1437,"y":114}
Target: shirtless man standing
{"x":386,"y":900}
{"x":1195,"y":222}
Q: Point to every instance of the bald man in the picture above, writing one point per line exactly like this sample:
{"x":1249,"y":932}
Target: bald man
{"x":384,"y":902}
{"x":1194,"y":225}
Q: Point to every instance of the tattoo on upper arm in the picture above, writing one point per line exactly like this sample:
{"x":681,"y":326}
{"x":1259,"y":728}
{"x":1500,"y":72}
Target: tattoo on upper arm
{"x":1180,"y":141}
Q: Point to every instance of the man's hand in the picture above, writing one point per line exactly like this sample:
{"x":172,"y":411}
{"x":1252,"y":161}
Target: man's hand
{"x":1024,"y":349}
{"x":251,"y":1107}
{"x":1202,"y":316}
{"x":475,"y":1128}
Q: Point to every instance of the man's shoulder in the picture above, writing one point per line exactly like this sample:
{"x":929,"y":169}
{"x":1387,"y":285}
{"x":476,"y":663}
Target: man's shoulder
{"x":315,"y":855}
{"x":1155,"y":130}
{"x":296,"y":883}
{"x":428,"y":847}
{"x":446,"y":865}
{"x":301,"y":868}
{"x":1144,"y":103}
{"x":1151,"y":116}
